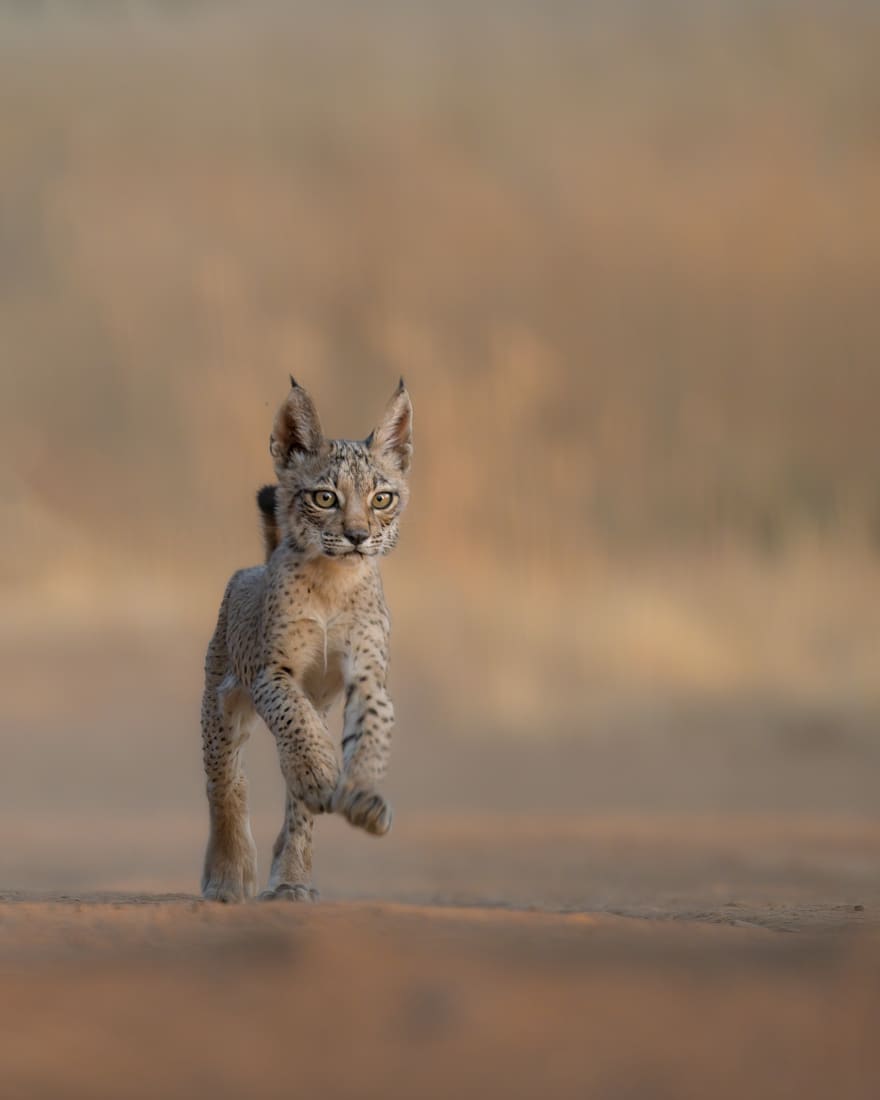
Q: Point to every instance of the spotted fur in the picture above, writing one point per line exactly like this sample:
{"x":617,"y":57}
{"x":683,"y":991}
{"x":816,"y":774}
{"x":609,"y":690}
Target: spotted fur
{"x":297,"y":632}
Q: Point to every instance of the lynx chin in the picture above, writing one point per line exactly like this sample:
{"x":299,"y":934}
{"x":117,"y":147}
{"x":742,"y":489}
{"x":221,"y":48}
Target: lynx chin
{"x":296,"y":633}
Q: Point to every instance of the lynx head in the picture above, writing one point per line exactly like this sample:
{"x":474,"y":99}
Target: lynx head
{"x":337,"y":497}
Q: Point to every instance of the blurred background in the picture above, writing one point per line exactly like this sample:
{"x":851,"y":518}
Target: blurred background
{"x":627,"y":256}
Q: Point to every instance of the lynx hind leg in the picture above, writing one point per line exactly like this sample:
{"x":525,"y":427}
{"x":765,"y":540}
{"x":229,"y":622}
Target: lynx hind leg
{"x":230,"y":872}
{"x":289,"y":879}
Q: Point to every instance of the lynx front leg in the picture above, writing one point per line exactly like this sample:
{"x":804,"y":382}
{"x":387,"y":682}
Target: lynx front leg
{"x":308,"y":761}
{"x":366,"y":740}
{"x":230,"y":872}
{"x":292,"y":857}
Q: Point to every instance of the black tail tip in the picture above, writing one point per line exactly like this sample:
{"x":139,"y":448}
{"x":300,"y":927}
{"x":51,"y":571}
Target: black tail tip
{"x":266,"y":500}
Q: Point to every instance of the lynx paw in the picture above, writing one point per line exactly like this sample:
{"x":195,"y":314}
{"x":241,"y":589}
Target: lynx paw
{"x":230,"y":878}
{"x":365,"y":808}
{"x":231,"y":886}
{"x":290,"y":891}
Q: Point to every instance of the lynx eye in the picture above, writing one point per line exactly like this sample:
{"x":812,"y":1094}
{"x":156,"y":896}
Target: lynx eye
{"x":382,"y":500}
{"x":325,"y":499}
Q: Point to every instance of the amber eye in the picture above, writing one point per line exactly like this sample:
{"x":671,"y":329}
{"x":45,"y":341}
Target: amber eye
{"x":382,"y":500}
{"x":325,"y":499}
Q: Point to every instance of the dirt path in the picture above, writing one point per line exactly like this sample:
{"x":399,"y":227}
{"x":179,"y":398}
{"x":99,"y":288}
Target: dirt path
{"x":140,"y":997}
{"x":620,"y":958}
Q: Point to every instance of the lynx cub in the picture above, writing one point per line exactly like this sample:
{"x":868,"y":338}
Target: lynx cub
{"x":294,"y":633}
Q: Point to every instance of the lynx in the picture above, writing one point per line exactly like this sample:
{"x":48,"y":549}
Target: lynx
{"x":294,"y":634}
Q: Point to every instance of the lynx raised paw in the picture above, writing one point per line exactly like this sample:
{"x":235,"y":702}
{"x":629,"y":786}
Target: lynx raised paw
{"x":290,"y":891}
{"x":363,"y":807}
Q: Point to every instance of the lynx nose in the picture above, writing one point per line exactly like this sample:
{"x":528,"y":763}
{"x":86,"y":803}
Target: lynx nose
{"x":357,"y":535}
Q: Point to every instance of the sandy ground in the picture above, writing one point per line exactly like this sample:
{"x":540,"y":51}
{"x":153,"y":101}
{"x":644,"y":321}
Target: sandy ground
{"x":677,"y":940}
{"x":473,"y":955}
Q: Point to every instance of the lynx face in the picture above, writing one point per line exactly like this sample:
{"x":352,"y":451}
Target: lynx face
{"x":340,"y":498}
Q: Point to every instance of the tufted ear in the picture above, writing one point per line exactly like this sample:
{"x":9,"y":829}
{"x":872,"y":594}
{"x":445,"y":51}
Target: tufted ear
{"x":393,"y":438}
{"x":296,"y":427}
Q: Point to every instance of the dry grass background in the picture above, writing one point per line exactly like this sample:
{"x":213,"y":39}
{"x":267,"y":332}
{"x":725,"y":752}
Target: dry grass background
{"x":627,"y":256}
